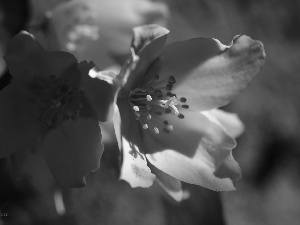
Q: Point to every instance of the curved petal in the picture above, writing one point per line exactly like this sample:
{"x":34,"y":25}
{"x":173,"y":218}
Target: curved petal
{"x":134,"y":167}
{"x":196,"y":151}
{"x":230,"y":121}
{"x":170,"y":185}
{"x":98,"y":89}
{"x":20,"y":128}
{"x":144,"y":35}
{"x":26,"y":59}
{"x":149,"y":40}
{"x":73,"y":150}
{"x":208,"y":73}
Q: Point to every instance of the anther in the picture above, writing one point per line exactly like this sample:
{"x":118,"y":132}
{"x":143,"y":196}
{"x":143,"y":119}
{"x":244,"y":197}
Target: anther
{"x":183,"y":100}
{"x":145,"y":126}
{"x":149,"y":117}
{"x":136,"y":108}
{"x":169,"y":87}
{"x":149,"y":98}
{"x":180,"y":116}
{"x":172,"y":80}
{"x":170,"y":127}
{"x":156,"y":130}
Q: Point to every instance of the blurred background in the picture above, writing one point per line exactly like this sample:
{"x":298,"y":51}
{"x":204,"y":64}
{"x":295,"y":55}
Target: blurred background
{"x":268,"y":151}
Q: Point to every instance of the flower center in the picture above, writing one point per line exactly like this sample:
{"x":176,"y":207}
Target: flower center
{"x":57,"y":100}
{"x":154,"y":99}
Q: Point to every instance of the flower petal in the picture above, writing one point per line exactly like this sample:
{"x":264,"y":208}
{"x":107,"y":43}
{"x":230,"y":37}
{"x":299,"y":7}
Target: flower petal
{"x":197,"y":151}
{"x":73,"y":150}
{"x":170,"y":185}
{"x":144,"y":35}
{"x":98,"y":90}
{"x":149,"y":41}
{"x":20,"y":128}
{"x":26,"y":58}
{"x":134,"y":168}
{"x":217,"y":73}
{"x":230,"y":121}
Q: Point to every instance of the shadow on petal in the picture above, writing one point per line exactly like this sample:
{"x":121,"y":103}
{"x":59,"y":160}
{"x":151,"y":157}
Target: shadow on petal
{"x":73,"y":150}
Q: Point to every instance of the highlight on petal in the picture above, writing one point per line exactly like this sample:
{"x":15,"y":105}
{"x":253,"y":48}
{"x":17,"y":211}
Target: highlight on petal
{"x":73,"y":150}
{"x":170,"y":185}
{"x":26,"y":58}
{"x":20,"y":128}
{"x":100,"y":90}
{"x":151,"y":49}
{"x":230,"y":121}
{"x":196,"y":151}
{"x":134,"y":166}
{"x":215,"y":71}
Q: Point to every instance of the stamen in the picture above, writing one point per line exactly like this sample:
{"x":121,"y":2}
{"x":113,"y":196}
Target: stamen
{"x":172,"y":80}
{"x":175,"y":110}
{"x":57,"y":100}
{"x":170,"y":127}
{"x":154,"y":98}
{"x":180,"y":116}
{"x":169,"y":87}
{"x":149,"y":98}
{"x":183,"y":100}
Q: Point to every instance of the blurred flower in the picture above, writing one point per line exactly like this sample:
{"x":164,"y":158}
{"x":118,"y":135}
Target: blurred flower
{"x":53,"y":104}
{"x":166,"y":116}
{"x":101,"y":30}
